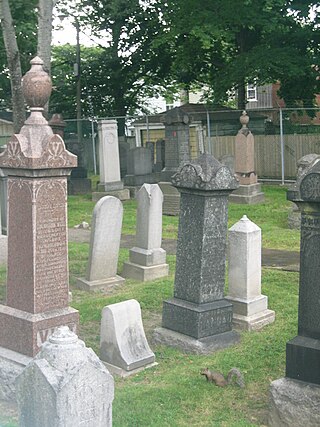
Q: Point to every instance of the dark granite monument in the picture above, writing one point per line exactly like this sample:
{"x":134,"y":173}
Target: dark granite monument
{"x":301,"y":388}
{"x":198,"y":318}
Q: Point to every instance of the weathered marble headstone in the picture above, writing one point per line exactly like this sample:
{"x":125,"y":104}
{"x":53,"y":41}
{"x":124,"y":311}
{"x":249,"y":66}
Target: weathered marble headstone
{"x":250,"y":308}
{"x":249,"y":191}
{"x":293,"y":398}
{"x":110,"y":179}
{"x":147,"y":259}
{"x":199,"y":318}
{"x":139,"y":167}
{"x":123,"y":344}
{"x":37,"y":165}
{"x":104,"y":246}
{"x":65,"y":385}
{"x":177,"y":152}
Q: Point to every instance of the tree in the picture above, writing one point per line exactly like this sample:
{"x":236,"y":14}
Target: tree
{"x":241,"y":42}
{"x":19,"y":30}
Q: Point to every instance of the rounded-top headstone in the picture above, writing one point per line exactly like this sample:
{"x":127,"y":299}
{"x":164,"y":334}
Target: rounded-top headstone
{"x":205,"y":173}
{"x":36,"y":85}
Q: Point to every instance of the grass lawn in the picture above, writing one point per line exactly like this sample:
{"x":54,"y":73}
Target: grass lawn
{"x":174,"y":393}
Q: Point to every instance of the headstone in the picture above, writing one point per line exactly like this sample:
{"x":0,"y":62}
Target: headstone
{"x":65,"y":385}
{"x":199,"y":318}
{"x":303,"y":164}
{"x":177,"y":152}
{"x":104,"y":246}
{"x":303,"y":351}
{"x":250,"y":308}
{"x":249,"y":191}
{"x":139,"y":167}
{"x":147,"y":258}
{"x":228,"y":160}
{"x":160,"y":156}
{"x":37,"y":165}
{"x":110,"y":180}
{"x":123,"y":344}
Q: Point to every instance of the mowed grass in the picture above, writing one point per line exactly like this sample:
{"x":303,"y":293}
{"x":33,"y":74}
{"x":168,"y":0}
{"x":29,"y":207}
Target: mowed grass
{"x":174,"y":393}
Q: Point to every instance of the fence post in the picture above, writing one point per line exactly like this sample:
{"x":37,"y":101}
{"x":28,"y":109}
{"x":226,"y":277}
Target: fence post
{"x":282,"y":147}
{"x":209,"y":133}
{"x":93,"y":147}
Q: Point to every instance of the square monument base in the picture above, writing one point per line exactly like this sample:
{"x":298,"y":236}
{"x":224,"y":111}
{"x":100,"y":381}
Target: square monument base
{"x":303,"y":359}
{"x":115,"y":370}
{"x":25,"y":332}
{"x":294,"y":404}
{"x":11,"y":366}
{"x":123,"y":194}
{"x":99,"y":285}
{"x":188,"y":344}
{"x":197,"y":320}
{"x":144,"y":273}
{"x":247,"y":194}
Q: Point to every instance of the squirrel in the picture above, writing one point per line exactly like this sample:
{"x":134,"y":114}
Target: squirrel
{"x":220,"y":380}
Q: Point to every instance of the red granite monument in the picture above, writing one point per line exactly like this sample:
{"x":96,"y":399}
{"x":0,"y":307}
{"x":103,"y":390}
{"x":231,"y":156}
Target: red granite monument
{"x":37,"y":164}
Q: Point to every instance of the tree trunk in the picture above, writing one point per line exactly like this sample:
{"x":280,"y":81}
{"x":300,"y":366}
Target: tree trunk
{"x":14,"y":65}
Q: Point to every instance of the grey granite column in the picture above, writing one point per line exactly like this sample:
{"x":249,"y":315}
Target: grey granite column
{"x":198,"y":318}
{"x":295,"y":398}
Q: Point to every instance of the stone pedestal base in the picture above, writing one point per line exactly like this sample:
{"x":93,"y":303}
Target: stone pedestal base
{"x":110,"y":186}
{"x":147,"y":257}
{"x":138,"y":180}
{"x":123,"y":194}
{"x":197,"y":320}
{"x":302,"y":361}
{"x":11,"y":365}
{"x":3,"y":249}
{"x":294,"y":218}
{"x":115,"y":370}
{"x":188,"y":344}
{"x":171,"y":199}
{"x":247,"y":194}
{"x":25,"y":332}
{"x":144,"y":273}
{"x":99,"y":285}
{"x":79,"y":186}
{"x":251,"y":315}
{"x":294,"y":404}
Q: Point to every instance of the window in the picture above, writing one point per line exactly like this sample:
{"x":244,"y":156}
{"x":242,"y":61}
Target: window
{"x":252,"y":92}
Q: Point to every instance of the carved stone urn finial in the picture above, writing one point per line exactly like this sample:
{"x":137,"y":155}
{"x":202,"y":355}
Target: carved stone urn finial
{"x":244,"y":119}
{"x":36,"y":85}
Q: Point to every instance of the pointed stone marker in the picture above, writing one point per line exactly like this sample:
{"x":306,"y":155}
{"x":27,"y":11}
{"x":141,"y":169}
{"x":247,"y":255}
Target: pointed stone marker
{"x":250,"y":308}
{"x":123,"y":344}
{"x":104,"y":246}
{"x":147,"y":258}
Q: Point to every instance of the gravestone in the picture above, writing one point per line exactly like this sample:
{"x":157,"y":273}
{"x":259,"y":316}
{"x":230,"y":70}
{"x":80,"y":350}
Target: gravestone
{"x":302,"y":379}
{"x":177,"y":152}
{"x":147,"y":259}
{"x":78,"y":182}
{"x":104,"y":246}
{"x":198,"y":318}
{"x":37,"y":165}
{"x":139,"y":167}
{"x":249,"y":191}
{"x":123,"y":344}
{"x":109,"y":161}
{"x":65,"y":385}
{"x":250,"y":308}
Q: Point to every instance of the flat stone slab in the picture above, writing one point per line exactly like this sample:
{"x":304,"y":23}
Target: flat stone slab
{"x":188,"y":344}
{"x":99,"y":285}
{"x":294,"y":404}
{"x":122,"y":373}
{"x":254,"y":322}
{"x":143,"y":273}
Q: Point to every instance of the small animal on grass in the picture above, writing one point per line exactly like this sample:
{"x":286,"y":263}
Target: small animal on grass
{"x":219,"y":380}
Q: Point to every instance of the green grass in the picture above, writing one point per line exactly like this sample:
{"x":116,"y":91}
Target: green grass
{"x":174,"y":393}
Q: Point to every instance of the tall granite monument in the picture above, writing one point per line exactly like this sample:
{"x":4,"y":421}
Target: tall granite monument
{"x":295,"y":399}
{"x":198,"y":318}
{"x":249,"y":191}
{"x":37,"y":165}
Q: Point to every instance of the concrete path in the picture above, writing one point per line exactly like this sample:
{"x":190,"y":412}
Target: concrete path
{"x":284,"y":260}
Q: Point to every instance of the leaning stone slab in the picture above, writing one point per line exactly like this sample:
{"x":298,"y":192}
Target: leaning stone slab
{"x":123,"y":344}
{"x":294,"y":404}
{"x":65,"y":385}
{"x":147,"y":259}
{"x":250,"y":307}
{"x":104,"y":246}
